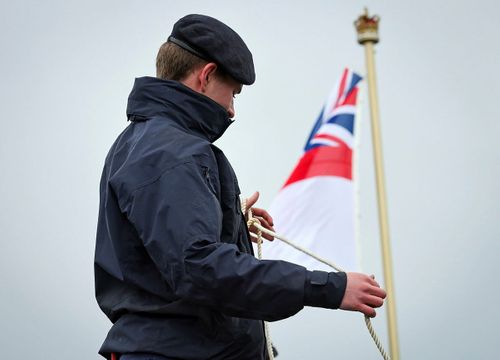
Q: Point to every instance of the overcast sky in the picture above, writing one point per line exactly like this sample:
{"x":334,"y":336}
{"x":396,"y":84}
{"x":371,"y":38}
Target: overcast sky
{"x":67,"y":68}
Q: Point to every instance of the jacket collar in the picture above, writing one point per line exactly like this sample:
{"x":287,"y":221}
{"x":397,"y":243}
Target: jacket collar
{"x":191,"y":110}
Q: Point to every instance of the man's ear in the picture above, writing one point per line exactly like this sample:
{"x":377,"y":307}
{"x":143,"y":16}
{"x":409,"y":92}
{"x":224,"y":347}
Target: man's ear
{"x":206,"y":75}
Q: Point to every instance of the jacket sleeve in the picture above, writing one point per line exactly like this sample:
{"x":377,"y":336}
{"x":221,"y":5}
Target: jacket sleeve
{"x":178,"y":218}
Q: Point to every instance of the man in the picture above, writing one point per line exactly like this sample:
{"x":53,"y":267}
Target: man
{"x":174,"y":266}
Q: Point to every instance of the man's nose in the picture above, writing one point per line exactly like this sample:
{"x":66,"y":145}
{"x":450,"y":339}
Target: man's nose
{"x":230,"y":111}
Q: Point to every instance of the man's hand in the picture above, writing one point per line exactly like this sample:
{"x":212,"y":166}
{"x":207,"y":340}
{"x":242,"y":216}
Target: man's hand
{"x":362,"y":294}
{"x":262,"y":215}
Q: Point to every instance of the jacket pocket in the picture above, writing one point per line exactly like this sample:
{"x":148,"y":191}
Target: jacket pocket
{"x":208,"y":179}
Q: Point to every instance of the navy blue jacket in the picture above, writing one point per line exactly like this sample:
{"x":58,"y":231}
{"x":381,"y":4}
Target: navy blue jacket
{"x":174,"y":266}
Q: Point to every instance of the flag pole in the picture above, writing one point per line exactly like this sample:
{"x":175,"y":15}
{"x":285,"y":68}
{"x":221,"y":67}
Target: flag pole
{"x":367,"y":29}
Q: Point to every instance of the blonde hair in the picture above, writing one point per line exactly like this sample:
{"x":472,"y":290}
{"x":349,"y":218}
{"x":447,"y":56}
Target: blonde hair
{"x":175,"y":63}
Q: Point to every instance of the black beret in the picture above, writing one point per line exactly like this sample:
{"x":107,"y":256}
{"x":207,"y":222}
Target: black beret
{"x":212,"y":40}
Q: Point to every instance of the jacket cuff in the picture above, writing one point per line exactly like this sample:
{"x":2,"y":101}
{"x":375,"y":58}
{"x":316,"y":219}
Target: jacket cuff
{"x":324,"y":289}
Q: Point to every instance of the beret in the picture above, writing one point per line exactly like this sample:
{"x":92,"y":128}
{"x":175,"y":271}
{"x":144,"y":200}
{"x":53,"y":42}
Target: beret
{"x":212,"y":40}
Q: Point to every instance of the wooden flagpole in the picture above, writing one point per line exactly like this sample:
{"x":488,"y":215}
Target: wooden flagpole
{"x":367,"y":29}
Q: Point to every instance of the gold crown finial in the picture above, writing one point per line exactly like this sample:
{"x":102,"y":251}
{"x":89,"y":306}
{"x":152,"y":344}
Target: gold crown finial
{"x":367,"y":28}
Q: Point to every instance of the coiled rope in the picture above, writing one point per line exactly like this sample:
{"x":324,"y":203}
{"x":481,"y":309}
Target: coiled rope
{"x":260,"y":230}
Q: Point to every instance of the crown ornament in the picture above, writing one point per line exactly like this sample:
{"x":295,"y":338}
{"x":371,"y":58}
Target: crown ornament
{"x":367,"y":28}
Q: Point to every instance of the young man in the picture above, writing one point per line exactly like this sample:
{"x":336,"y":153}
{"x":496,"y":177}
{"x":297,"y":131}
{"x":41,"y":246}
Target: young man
{"x":174,"y":265}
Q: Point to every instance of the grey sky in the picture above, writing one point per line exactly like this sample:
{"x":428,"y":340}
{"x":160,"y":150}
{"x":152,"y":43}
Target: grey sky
{"x":67,"y":68}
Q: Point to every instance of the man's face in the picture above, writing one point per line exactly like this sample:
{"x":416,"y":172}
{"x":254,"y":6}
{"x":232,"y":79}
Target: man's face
{"x":222,"y":89}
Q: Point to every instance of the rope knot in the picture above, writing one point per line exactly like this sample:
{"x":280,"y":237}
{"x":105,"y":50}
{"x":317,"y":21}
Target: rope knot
{"x":252,"y":221}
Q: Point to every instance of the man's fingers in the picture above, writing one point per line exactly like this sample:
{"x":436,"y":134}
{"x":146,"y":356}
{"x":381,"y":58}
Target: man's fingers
{"x":265,"y":236}
{"x":374,"y":301}
{"x":375,"y":290}
{"x":362,"y":294}
{"x":373,"y":281}
{"x":268,"y":237}
{"x":264,"y":223}
{"x":252,"y":199}
{"x":263,"y":214}
{"x":368,"y":311}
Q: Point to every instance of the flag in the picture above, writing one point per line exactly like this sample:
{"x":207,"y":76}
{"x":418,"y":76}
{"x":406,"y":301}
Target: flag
{"x":315,"y":207}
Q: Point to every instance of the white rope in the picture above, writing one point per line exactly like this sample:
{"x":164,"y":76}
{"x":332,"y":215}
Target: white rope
{"x":255,"y":221}
{"x":260,"y":229}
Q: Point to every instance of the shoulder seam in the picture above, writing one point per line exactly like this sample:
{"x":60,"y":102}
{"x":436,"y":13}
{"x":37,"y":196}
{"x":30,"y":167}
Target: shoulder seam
{"x":157,"y":177}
